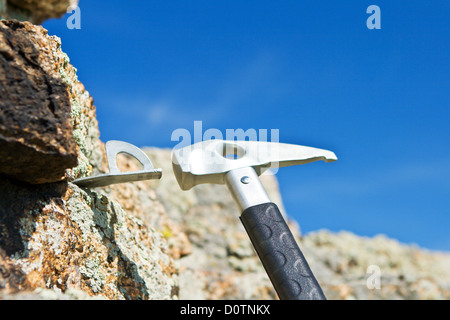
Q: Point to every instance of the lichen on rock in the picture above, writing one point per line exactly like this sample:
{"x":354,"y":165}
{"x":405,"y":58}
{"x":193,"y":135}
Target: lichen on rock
{"x":59,"y":236}
{"x":36,"y":140}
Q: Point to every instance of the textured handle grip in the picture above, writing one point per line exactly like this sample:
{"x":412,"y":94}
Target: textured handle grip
{"x":279,"y":253}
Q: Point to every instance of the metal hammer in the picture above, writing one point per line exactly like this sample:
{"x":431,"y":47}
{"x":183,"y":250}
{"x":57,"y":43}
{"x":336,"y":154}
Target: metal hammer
{"x":238,"y":165}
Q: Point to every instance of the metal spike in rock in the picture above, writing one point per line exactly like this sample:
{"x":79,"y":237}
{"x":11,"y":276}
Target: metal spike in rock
{"x":113,"y":148}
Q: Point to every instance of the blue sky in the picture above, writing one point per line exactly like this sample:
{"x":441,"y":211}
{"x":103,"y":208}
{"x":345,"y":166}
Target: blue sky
{"x":380,"y":99}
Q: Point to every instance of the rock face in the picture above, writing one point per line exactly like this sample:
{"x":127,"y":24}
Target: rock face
{"x":36,"y":140}
{"x":68,"y":238}
{"x":56,"y":235}
{"x":35,"y":11}
{"x":348,"y":265}
{"x":148,"y":239}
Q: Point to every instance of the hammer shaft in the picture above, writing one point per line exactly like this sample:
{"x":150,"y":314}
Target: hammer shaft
{"x":277,"y":249}
{"x":246,"y":188}
{"x":279,"y":253}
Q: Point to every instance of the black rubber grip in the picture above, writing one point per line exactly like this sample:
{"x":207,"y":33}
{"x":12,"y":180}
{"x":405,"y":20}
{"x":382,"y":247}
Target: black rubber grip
{"x":279,"y":253}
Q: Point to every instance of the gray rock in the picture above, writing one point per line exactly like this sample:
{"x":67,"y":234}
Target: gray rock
{"x":35,"y":11}
{"x":36,"y":133}
{"x":59,"y":237}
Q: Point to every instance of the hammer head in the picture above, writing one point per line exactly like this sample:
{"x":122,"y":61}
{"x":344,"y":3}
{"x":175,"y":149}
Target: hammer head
{"x":209,"y":161}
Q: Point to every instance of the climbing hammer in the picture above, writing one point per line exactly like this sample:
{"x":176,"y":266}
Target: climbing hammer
{"x":238,"y":165}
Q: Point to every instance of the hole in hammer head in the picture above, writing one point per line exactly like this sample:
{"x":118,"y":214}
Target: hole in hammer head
{"x":231,"y":151}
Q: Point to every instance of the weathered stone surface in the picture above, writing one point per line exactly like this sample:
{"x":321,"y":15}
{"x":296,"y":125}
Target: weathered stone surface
{"x":49,"y":294}
{"x":57,"y":236}
{"x":344,"y":262}
{"x":141,"y":200}
{"x":36,"y":133}
{"x":35,"y":11}
{"x":62,"y":237}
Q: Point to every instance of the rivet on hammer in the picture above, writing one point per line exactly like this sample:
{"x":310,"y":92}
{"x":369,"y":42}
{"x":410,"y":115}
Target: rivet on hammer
{"x":245,"y":180}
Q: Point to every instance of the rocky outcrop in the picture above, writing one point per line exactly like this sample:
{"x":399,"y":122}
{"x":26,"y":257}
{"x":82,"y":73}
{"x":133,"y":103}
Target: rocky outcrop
{"x":147,"y":239}
{"x":56,"y":235}
{"x":35,"y":11}
{"x":62,"y":237}
{"x":347,"y":267}
{"x":36,"y":140}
